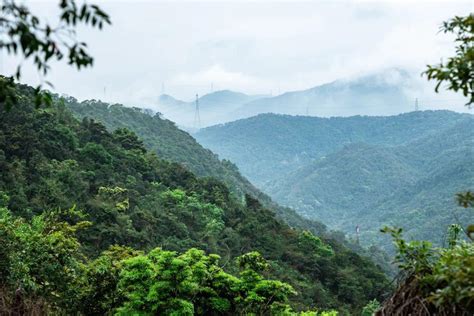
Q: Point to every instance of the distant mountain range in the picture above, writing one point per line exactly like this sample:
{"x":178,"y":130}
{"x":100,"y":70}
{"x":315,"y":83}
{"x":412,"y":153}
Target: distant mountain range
{"x":383,"y":93}
{"x":401,"y":170}
{"x":214,"y":108}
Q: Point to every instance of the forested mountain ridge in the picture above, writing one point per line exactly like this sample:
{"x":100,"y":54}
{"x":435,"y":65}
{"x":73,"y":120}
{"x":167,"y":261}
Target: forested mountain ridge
{"x":260,"y":144}
{"x":359,"y":171}
{"x":170,"y":143}
{"x":50,"y":160}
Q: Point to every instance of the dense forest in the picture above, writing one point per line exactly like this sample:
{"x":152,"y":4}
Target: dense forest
{"x":109,"y":210}
{"x":162,"y":137}
{"x":92,"y":221}
{"x":399,"y":170}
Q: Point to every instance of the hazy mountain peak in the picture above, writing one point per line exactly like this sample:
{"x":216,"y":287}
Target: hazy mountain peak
{"x":167,"y":99}
{"x":225,"y":96}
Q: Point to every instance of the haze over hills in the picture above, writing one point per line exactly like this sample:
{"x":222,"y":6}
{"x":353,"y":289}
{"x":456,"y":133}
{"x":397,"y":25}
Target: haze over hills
{"x":215,"y":107}
{"x":384,"y":93}
{"x":349,"y":192}
{"x":368,"y":171}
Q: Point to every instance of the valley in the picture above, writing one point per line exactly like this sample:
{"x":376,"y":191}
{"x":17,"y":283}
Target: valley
{"x":357,"y":171}
{"x":250,"y":158}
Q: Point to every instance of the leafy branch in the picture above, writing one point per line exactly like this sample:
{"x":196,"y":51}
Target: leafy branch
{"x":458,"y":71}
{"x":23,"y":34}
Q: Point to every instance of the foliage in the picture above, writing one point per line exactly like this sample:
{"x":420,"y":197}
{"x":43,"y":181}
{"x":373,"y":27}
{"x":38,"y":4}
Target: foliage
{"x":435,"y":280}
{"x":100,"y":295}
{"x":414,"y":257}
{"x":313,"y":245}
{"x":40,"y":258}
{"x":24,"y":34}
{"x":371,"y":307}
{"x":453,"y":277}
{"x":466,"y":200}
{"x":440,"y":281}
{"x":162,"y":136}
{"x":134,"y":199}
{"x":192,"y":283}
{"x":458,"y":71}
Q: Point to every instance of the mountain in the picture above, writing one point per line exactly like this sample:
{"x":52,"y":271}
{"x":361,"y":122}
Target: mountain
{"x":166,"y":99}
{"x":162,"y":137}
{"x":169,"y":142}
{"x":367,"y":171}
{"x":132,"y":197}
{"x":267,"y":146}
{"x":383,"y":93}
{"x":214,"y":108}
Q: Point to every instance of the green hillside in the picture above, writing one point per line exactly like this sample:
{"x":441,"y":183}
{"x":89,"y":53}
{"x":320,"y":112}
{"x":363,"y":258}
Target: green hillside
{"x":170,"y":143}
{"x":268,"y":146}
{"x":51,"y":162}
{"x":359,"y":171}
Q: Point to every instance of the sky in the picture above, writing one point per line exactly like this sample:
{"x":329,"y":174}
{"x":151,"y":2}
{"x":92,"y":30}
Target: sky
{"x":257,"y":47}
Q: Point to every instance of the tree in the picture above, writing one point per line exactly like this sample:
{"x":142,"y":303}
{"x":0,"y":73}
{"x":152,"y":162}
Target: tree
{"x":458,"y":71}
{"x":40,"y":262}
{"x":440,"y":280}
{"x":24,"y":34}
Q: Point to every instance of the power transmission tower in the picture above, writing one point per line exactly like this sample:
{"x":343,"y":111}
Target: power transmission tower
{"x":357,"y":234}
{"x":197,"y":117}
{"x":416,"y":104}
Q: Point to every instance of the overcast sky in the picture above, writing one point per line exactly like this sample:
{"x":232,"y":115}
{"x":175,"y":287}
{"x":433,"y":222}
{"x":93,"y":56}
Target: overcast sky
{"x":249,"y":46}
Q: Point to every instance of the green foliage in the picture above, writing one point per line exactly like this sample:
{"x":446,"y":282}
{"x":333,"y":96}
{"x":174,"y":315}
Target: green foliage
{"x":43,"y":43}
{"x":167,"y":283}
{"x":413,"y":257}
{"x":41,"y":258}
{"x":313,"y":245}
{"x":440,"y":279}
{"x":100,"y":295}
{"x":168,"y":142}
{"x":466,"y":200}
{"x":453,"y":237}
{"x":453,"y":277}
{"x":458,"y":71}
{"x":135,"y":199}
{"x":371,"y":307}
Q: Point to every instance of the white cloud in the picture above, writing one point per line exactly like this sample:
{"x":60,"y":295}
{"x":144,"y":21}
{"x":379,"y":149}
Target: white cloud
{"x":251,"y":46}
{"x":222,"y":78}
